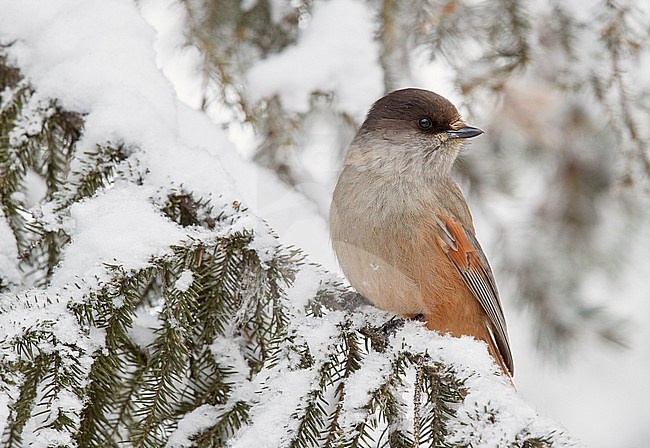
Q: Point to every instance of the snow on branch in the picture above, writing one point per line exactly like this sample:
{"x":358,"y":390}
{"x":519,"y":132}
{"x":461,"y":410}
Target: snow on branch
{"x":143,"y":303}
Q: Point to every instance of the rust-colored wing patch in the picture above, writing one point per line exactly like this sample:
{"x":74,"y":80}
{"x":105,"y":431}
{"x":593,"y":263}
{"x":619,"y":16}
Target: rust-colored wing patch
{"x":467,"y":256}
{"x":461,"y":250}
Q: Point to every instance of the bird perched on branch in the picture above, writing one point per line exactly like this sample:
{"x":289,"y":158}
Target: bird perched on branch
{"x":401,"y":228}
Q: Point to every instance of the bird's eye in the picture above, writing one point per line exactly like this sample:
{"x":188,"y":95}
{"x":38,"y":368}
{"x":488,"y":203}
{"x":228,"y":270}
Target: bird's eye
{"x":425,"y":123}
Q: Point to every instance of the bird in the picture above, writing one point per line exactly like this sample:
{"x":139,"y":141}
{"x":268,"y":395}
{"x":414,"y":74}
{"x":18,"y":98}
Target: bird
{"x":401,"y":228}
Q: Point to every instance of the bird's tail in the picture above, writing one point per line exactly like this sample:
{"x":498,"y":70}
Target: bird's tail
{"x":496,"y":355}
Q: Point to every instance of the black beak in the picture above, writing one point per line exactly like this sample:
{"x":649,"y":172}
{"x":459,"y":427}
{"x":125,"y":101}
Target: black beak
{"x":466,"y":132}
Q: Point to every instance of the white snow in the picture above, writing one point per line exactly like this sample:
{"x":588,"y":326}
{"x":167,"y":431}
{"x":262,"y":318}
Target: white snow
{"x":142,"y":331}
{"x":178,"y":62}
{"x":304,"y":286}
{"x":200,"y":418}
{"x":36,"y":188}
{"x":280,"y":9}
{"x":492,"y":412}
{"x":285,"y":210}
{"x":317,"y":334}
{"x":8,"y":253}
{"x":184,"y":281}
{"x":74,"y":68}
{"x":126,"y":100}
{"x":227,"y":352}
{"x":373,"y":372}
{"x":43,"y":312}
{"x":272,"y":424}
{"x":118,"y":227}
{"x":29,"y":121}
{"x":336,"y":53}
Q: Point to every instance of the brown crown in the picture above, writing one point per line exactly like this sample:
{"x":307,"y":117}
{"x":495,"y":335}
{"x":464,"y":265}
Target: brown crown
{"x":404,"y":108}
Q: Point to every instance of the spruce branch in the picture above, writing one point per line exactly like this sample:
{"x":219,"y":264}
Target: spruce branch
{"x":20,"y":410}
{"x":231,"y":419}
{"x":443,"y":391}
{"x":54,"y":383}
{"x":166,"y":366}
{"x":95,"y":171}
{"x":227,"y":35}
{"x":343,"y":359}
{"x":353,"y":358}
{"x":9,"y":75}
{"x":35,"y":134}
{"x":116,"y":371}
{"x":14,"y":162}
{"x":621,"y":42}
{"x":417,"y":402}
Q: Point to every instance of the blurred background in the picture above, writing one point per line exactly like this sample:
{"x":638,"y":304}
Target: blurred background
{"x":559,"y":184}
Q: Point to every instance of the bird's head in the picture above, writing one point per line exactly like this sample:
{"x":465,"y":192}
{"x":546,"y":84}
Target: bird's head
{"x":410,"y":131}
